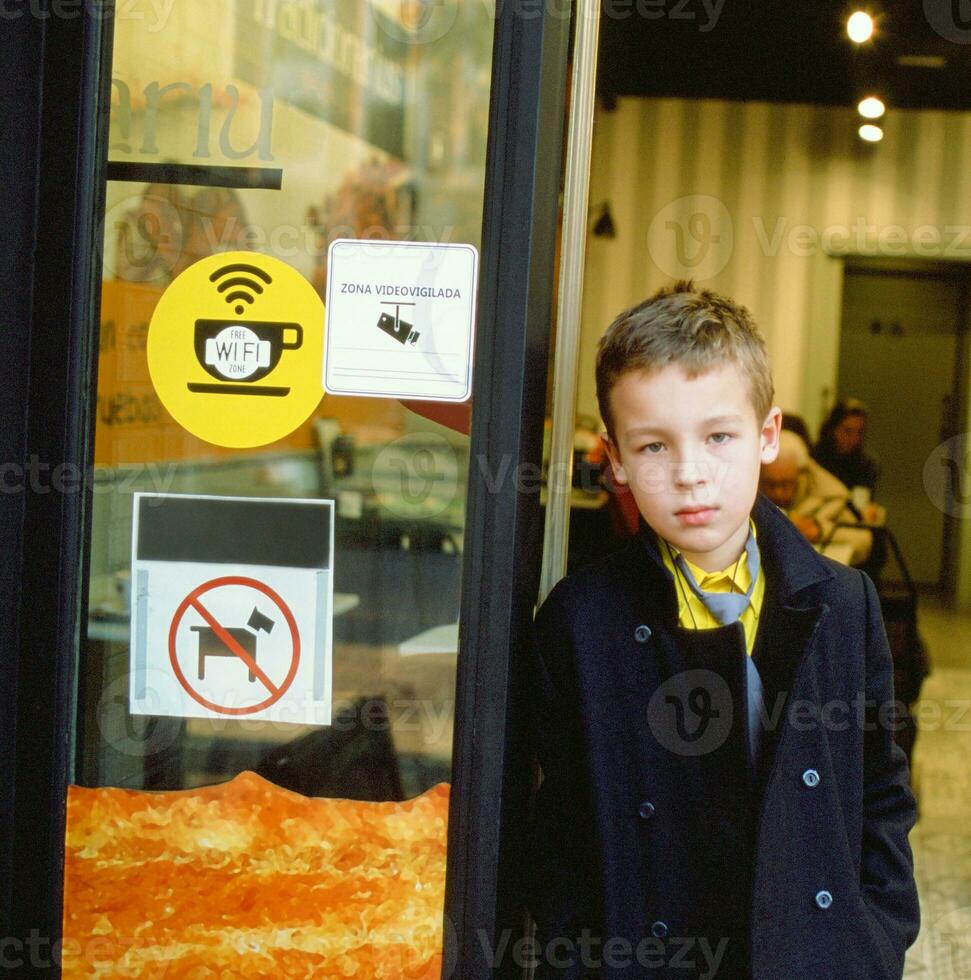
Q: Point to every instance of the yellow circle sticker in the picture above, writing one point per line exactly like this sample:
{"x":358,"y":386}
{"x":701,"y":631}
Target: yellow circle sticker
{"x":235,"y":347}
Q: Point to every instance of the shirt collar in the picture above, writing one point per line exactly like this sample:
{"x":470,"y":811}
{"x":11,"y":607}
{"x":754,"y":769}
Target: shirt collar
{"x":708,"y":579}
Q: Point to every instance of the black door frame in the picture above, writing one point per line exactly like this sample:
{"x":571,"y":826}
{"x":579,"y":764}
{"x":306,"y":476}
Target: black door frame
{"x":56,"y":61}
{"x":62,"y":49}
{"x":492,"y":773}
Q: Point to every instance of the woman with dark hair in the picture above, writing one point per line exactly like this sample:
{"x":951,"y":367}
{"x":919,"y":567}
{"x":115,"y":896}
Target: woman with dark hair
{"x":840,"y":445}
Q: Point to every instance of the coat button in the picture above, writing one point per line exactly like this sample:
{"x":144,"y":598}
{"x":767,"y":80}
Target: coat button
{"x":646,"y":810}
{"x":642,"y":634}
{"x":659,"y":929}
{"x":824,"y":899}
{"x":811,"y":778}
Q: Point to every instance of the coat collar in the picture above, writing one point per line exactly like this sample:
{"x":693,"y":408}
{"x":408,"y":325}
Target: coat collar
{"x":791,"y":563}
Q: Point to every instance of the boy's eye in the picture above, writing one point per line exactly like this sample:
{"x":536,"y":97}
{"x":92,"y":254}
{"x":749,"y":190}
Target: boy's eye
{"x":655,"y":447}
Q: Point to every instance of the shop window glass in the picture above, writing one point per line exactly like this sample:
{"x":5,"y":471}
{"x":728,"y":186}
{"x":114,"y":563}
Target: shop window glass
{"x":277,"y":848}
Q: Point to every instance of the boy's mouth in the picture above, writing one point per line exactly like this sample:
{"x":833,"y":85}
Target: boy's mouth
{"x":699,"y":514}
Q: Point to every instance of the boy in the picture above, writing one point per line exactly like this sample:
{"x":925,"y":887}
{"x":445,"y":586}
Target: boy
{"x":721,"y":794}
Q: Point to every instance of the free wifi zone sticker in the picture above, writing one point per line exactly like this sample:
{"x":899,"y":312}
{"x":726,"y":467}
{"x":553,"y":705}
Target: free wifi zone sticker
{"x":234,"y":349}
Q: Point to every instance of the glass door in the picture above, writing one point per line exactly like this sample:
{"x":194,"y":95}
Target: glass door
{"x":269,"y":682}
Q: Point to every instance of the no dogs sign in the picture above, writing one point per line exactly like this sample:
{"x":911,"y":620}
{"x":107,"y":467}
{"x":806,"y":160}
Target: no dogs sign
{"x":232,"y":601}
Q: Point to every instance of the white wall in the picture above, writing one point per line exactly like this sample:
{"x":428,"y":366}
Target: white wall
{"x":785,"y":187}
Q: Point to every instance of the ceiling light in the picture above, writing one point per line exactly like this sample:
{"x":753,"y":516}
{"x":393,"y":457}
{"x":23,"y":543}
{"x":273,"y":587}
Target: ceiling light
{"x":871,"y":107}
{"x":870,"y":133}
{"x":922,"y":61}
{"x":860,"y":27}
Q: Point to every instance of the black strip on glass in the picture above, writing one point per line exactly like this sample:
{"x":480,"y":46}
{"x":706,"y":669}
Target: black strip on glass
{"x":233,"y":532}
{"x":243,"y":178}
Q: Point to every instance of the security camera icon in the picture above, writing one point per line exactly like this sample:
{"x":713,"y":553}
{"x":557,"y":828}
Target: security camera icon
{"x":397,"y":328}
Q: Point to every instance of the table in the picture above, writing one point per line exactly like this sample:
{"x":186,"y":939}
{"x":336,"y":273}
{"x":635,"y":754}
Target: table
{"x":438,"y":639}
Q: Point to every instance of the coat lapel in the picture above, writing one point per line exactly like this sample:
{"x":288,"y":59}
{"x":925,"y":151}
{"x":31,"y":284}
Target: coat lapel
{"x":788,"y":619}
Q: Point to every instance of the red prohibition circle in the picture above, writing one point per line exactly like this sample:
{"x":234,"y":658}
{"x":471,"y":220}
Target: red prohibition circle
{"x":281,"y":605}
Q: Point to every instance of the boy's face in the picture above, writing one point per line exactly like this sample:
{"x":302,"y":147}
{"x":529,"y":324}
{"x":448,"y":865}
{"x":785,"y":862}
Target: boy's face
{"x":682,"y":443}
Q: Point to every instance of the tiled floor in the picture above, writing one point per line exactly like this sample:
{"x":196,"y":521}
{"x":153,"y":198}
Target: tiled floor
{"x":942,"y":781}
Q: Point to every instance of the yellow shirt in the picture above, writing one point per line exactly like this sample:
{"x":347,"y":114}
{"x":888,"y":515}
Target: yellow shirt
{"x":689,"y":604}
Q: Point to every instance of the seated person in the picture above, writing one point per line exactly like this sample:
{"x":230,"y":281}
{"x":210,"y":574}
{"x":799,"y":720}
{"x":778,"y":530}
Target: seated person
{"x":813,"y":499}
{"x":840,"y":447}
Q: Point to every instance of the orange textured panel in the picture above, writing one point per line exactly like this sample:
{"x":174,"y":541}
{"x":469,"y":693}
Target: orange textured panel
{"x":245,"y":879}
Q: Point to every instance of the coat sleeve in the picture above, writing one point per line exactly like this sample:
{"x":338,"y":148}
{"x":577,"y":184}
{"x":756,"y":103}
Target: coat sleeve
{"x":560,"y":877}
{"x":889,"y":810}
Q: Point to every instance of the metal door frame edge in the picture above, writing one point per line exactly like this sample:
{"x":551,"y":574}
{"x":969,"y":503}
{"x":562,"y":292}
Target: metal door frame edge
{"x":492,"y":779}
{"x":70,"y":187}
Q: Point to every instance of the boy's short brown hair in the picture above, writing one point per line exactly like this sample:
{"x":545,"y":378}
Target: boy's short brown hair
{"x":696,"y":329}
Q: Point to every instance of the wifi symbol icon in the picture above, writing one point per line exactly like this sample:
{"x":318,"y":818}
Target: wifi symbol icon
{"x":240,"y":288}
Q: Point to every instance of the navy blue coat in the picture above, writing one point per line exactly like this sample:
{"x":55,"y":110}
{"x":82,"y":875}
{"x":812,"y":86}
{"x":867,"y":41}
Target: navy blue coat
{"x":658,"y":849}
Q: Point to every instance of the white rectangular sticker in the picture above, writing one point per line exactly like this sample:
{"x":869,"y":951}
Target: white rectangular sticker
{"x":400,"y":319}
{"x":232,"y":608}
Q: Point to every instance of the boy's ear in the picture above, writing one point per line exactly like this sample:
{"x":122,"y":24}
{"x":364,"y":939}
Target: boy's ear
{"x":771,"y":428}
{"x":613,"y":454}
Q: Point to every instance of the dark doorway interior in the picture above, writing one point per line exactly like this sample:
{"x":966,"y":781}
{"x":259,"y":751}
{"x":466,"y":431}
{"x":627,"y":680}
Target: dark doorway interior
{"x":902,"y":351}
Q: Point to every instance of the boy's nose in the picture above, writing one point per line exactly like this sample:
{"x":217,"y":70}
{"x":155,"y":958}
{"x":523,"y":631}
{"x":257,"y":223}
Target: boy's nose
{"x":691,"y":475}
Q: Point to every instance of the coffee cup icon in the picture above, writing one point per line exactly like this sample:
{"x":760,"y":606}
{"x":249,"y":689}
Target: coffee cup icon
{"x":235,"y":351}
